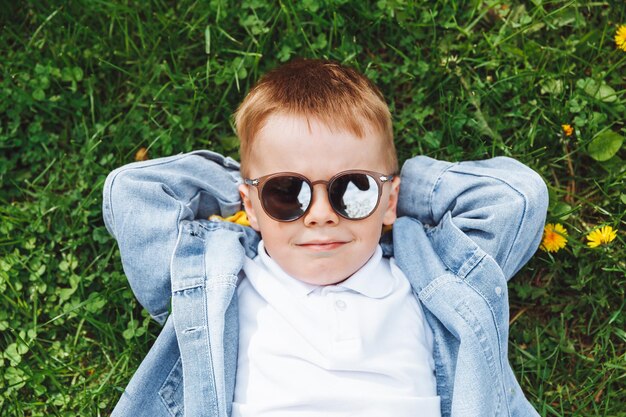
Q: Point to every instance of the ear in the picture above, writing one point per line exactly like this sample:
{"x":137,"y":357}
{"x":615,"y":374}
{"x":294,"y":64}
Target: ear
{"x":244,"y":192}
{"x":392,"y":202}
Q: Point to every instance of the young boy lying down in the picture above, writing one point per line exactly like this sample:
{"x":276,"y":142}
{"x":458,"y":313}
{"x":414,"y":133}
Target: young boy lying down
{"x":311,"y":310}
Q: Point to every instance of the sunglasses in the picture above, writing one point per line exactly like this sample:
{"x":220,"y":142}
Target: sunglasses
{"x":286,"y":196}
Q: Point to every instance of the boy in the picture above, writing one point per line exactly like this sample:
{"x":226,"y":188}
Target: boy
{"x":309,"y":312}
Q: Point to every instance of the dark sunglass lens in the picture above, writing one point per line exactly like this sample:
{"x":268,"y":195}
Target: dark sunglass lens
{"x":286,"y":198}
{"x":354,"y":196}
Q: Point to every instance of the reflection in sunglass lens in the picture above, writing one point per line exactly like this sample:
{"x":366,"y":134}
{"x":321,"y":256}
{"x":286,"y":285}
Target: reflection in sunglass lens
{"x":286,"y":197}
{"x":354,"y":195}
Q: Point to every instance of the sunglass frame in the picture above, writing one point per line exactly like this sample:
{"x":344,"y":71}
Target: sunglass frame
{"x":259,"y":184}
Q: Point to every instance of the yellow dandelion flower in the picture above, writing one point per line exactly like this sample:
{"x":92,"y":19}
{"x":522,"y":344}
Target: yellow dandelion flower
{"x":240,"y":218}
{"x":142,"y":154}
{"x":567,"y":130}
{"x":620,"y":38}
{"x":601,"y":236}
{"x":554,"y":238}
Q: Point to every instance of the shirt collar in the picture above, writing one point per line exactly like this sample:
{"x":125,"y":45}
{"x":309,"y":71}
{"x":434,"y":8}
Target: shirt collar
{"x":370,"y":280}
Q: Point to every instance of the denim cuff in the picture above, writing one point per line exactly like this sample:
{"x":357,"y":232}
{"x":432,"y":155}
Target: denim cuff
{"x":420,"y":177}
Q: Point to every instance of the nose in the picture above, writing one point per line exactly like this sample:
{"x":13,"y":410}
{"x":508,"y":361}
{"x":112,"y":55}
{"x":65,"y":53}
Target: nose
{"x":320,"y":212}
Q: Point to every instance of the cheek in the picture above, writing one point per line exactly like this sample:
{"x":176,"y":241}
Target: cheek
{"x":274,"y":233}
{"x":277,"y":242}
{"x":371,"y":230}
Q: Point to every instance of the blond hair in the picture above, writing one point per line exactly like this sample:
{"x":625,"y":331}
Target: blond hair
{"x":336,"y":95}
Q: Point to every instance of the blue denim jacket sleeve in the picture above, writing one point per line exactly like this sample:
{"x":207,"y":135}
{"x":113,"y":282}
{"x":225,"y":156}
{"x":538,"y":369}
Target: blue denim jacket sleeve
{"x":144,"y":204}
{"x":499,"y":203}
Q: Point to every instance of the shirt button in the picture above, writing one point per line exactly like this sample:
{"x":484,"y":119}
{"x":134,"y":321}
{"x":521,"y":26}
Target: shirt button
{"x":498,"y":291}
{"x":341,"y":305}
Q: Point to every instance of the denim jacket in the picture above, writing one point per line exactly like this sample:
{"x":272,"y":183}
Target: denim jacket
{"x":463,"y":230}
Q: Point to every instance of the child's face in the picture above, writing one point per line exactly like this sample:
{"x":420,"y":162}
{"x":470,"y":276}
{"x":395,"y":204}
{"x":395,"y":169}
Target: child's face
{"x":320,"y":247}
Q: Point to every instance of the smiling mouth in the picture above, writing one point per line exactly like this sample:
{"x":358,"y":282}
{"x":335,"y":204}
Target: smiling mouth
{"x":322,"y":246}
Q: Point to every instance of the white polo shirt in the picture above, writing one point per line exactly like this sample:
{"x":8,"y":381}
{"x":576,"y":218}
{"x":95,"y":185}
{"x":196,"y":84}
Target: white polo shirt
{"x":358,"y":348}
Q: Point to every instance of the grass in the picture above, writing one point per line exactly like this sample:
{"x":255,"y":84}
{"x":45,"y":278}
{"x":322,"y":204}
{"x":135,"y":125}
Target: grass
{"x":86,"y":84}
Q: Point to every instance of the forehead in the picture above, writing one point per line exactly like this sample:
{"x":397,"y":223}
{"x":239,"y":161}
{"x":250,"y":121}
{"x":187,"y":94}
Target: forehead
{"x":312,"y":148}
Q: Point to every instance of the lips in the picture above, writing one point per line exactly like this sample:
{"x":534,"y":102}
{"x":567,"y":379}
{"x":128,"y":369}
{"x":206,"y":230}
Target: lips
{"x":325,"y":245}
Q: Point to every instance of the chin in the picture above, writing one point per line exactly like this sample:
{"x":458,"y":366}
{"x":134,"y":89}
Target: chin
{"x":321,"y":278}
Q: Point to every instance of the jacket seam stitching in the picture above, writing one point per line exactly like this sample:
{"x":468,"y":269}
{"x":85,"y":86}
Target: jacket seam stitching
{"x":165,"y":403}
{"x":205,"y":319}
{"x":498,"y":333}
{"x":498,"y":362}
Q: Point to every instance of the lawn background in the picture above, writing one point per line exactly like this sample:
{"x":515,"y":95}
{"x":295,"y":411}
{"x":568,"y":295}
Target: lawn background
{"x":85,"y":85}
